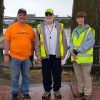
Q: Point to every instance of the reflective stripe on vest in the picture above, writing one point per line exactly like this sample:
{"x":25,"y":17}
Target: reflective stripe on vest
{"x":42,"y":46}
{"x":61,"y":41}
{"x":86,"y":57}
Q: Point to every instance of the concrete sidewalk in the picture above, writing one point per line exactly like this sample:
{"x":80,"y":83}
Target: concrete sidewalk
{"x":36,"y":91}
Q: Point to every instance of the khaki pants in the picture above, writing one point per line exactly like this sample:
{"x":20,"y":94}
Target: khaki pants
{"x":82,"y":72}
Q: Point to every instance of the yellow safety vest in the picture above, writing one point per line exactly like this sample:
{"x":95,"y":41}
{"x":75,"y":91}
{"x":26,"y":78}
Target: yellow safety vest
{"x":42,"y":46}
{"x":86,"y":57}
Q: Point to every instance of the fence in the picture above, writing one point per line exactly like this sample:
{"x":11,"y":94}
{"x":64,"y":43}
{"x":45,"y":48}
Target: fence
{"x":96,"y":63}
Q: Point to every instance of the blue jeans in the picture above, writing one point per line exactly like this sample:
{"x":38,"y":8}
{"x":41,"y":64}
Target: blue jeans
{"x":18,"y":66}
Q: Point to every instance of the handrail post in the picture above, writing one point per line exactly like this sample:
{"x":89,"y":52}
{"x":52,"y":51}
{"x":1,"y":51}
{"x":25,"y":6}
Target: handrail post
{"x":1,"y":68}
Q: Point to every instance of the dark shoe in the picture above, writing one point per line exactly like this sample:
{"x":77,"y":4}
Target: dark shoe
{"x":14,"y":97}
{"x":27,"y":97}
{"x":79,"y":95}
{"x":57,"y":94}
{"x":46,"y":95}
{"x":86,"y":97}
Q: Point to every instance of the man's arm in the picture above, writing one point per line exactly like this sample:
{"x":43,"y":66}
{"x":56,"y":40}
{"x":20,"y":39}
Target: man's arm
{"x":71,"y":44}
{"x":37,"y":45}
{"x":6,"y":53}
{"x":65,"y":42}
{"x":7,"y":46}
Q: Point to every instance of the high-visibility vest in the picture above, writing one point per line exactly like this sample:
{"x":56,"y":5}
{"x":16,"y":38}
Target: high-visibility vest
{"x":42,"y":46}
{"x":86,"y":57}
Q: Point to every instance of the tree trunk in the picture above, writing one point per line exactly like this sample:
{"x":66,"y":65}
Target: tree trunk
{"x":1,"y":15}
{"x":97,"y":17}
{"x":92,"y":10}
{"x":1,"y":31}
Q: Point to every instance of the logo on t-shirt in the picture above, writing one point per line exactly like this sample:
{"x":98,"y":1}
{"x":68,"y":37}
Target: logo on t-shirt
{"x":22,"y":32}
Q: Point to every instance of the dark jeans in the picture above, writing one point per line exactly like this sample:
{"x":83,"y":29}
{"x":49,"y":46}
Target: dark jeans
{"x":51,"y":71}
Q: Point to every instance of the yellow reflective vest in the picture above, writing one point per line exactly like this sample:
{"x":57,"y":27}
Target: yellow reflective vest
{"x":42,"y":46}
{"x":86,"y":57}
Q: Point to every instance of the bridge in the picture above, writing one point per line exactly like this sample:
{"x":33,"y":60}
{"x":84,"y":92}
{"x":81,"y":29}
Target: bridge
{"x":38,"y":18}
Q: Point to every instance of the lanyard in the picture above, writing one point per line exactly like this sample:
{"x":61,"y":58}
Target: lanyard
{"x":50,"y":31}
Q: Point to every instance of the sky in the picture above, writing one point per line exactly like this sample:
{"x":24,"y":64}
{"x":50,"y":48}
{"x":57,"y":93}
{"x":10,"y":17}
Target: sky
{"x":62,"y":8}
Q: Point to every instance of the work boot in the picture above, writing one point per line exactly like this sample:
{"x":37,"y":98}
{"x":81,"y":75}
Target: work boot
{"x":57,"y":94}
{"x":27,"y":97}
{"x":79,"y":95}
{"x":46,"y":95}
{"x":86,"y":97}
{"x":14,"y":97}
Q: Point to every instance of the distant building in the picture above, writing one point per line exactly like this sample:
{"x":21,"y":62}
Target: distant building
{"x":8,"y":22}
{"x":31,"y":15}
{"x":56,"y":15}
{"x":6,"y":16}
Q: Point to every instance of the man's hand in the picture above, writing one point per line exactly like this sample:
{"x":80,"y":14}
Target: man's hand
{"x":75,"y":52}
{"x":74,"y":57}
{"x":62,"y":57}
{"x":39,"y":58}
{"x":6,"y":59}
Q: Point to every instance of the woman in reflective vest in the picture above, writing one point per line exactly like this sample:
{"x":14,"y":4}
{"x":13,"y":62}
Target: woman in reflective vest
{"x":81,"y":47}
{"x":82,"y":57}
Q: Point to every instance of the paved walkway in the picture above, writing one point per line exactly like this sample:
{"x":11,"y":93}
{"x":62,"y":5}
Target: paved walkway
{"x":36,"y":91}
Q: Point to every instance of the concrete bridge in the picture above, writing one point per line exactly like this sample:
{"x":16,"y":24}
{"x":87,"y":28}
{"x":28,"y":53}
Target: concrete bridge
{"x":38,"y":18}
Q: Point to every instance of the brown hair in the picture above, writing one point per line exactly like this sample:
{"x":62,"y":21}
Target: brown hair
{"x":81,"y":14}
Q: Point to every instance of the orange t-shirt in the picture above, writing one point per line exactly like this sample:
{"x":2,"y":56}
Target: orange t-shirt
{"x":21,"y":38}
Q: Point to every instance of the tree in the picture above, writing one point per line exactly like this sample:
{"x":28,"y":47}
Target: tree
{"x":92,"y":9}
{"x":1,"y":29}
{"x":98,"y":21}
{"x":1,"y":15}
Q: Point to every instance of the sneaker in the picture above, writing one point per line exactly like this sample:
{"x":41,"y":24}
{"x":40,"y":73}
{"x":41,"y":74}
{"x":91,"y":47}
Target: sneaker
{"x":27,"y":97}
{"x":86,"y":97}
{"x":46,"y":95}
{"x":79,"y":95}
{"x":14,"y":97}
{"x":57,"y":94}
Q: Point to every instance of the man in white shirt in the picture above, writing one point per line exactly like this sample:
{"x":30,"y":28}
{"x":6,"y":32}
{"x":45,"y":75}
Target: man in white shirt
{"x":51,"y":47}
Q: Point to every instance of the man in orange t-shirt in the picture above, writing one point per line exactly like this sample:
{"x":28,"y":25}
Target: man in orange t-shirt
{"x":19,"y":39}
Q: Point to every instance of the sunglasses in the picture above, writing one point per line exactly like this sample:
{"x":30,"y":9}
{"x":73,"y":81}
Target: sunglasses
{"x":48,"y":14}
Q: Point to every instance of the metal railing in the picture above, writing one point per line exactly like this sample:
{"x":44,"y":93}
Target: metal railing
{"x":96,"y":63}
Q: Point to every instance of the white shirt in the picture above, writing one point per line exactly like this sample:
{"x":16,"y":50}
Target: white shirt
{"x":51,"y":37}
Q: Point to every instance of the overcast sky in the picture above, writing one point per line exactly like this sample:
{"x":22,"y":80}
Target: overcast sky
{"x":38,"y":7}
